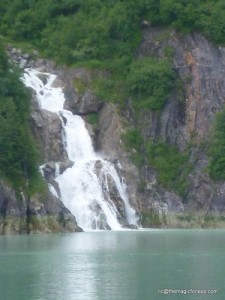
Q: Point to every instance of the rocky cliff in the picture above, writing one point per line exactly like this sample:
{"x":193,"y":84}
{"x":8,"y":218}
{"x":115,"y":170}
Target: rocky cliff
{"x":185,"y":122}
{"x":20,"y":214}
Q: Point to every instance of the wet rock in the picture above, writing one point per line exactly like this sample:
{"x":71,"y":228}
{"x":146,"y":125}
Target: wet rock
{"x":43,"y":78}
{"x":50,"y":216}
{"x":47,"y":128}
{"x":13,"y":211}
{"x":110,"y":145}
{"x":21,"y":214}
{"x":110,"y":191}
{"x":80,"y":104}
{"x":145,"y":24}
{"x":80,"y":98}
{"x":53,"y":169}
{"x":100,"y":221}
{"x":131,"y":226}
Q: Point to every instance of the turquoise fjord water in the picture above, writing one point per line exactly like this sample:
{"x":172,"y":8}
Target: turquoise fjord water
{"x":126,"y":265}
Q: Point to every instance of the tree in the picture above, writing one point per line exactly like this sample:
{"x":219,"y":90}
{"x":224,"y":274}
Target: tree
{"x":18,"y":159}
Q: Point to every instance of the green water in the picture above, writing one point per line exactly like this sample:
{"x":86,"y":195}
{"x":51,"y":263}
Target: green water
{"x":126,"y":265}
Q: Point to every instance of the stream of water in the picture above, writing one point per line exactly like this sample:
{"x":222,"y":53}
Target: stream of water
{"x":84,"y":187}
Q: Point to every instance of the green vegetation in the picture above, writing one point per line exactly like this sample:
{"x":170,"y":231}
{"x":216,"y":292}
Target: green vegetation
{"x":217,"y":148}
{"x":172,"y":166}
{"x":92,"y":119}
{"x":150,"y":82}
{"x":104,"y":29}
{"x":110,"y":89}
{"x":134,"y":144}
{"x":79,"y":85}
{"x":185,"y":217}
{"x":151,"y":218}
{"x":103,"y":34}
{"x":82,"y":30}
{"x":18,"y":159}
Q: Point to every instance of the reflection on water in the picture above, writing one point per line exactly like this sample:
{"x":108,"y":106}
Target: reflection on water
{"x":112,"y":265}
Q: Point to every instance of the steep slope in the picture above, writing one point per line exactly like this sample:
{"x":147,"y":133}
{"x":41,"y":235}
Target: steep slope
{"x":170,"y":185}
{"x":182,"y":127}
{"x":150,"y":88}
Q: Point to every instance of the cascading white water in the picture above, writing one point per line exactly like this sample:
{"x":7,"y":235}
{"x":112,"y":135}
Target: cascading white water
{"x":84,"y":187}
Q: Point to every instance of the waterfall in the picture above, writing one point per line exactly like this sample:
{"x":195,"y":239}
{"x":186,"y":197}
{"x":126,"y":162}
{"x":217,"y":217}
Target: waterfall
{"x":85,"y":188}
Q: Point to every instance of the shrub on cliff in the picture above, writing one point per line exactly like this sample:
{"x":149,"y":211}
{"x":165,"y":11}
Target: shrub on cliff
{"x":133,"y":142}
{"x":171,"y":165}
{"x":150,"y":82}
{"x":17,"y":152}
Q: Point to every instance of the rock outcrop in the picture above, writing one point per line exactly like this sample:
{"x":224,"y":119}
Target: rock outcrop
{"x":13,"y":212}
{"x":47,"y":129}
{"x":79,"y":96}
{"x":21,"y":214}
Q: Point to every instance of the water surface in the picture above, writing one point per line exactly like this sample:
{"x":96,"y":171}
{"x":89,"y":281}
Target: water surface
{"x":126,"y":265}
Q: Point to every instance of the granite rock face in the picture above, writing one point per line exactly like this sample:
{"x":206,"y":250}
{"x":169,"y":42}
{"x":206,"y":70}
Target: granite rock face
{"x":187,"y":123}
{"x":201,"y":67}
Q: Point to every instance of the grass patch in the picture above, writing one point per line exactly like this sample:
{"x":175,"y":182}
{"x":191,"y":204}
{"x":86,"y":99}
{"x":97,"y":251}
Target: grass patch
{"x":133,"y":142}
{"x":92,"y":119}
{"x":110,"y":89}
{"x":37,"y":184}
{"x":171,"y":165}
{"x":150,"y":82}
{"x":169,"y":52}
{"x":151,"y":219}
{"x":80,"y":85}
